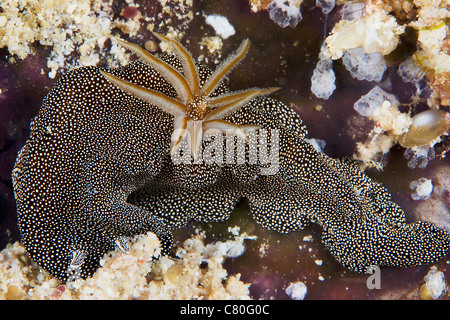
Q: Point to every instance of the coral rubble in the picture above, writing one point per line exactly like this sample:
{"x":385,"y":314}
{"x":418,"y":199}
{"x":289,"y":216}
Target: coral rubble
{"x":126,"y":275}
{"x":79,"y":29}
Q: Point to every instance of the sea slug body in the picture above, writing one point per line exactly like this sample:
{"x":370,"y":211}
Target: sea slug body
{"x":99,"y":167}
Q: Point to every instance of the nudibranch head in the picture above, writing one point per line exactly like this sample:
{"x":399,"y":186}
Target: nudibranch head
{"x":195,"y":110}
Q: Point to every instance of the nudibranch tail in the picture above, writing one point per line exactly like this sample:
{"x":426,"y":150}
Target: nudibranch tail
{"x":359,"y":247}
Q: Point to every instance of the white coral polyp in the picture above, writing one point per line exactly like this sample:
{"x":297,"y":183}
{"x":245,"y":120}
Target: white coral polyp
{"x":376,"y":32}
{"x":431,"y":55}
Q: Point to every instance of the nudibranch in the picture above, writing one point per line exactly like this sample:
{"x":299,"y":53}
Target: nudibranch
{"x":194,"y":111}
{"x":102,"y":164}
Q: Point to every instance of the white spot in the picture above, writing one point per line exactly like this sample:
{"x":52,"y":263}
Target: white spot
{"x":422,"y":189}
{"x":52,"y":74}
{"x":234,"y":230}
{"x":296,"y":290}
{"x":318,"y":144}
{"x":221,"y":25}
{"x":323,"y":79}
{"x":419,"y":156}
{"x":322,"y":82}
{"x":435,"y":283}
{"x":364,"y":66}
{"x":373,"y":100}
